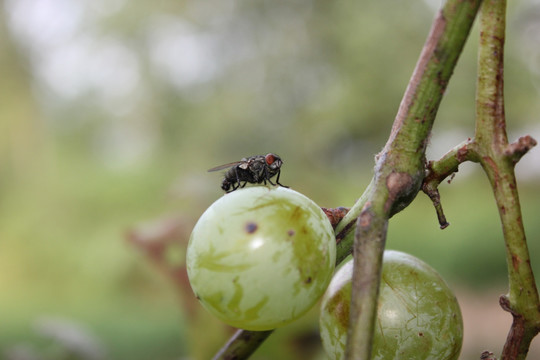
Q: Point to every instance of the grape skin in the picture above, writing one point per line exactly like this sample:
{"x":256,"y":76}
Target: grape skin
{"x":261,"y":257}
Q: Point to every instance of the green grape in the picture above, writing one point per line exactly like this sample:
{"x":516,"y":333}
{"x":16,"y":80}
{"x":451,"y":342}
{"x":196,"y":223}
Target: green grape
{"x":260,"y":257}
{"x":418,"y":316}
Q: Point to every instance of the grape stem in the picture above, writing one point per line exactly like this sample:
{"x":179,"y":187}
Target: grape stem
{"x":242,"y":344}
{"x":497,"y":157}
{"x":400,"y":166}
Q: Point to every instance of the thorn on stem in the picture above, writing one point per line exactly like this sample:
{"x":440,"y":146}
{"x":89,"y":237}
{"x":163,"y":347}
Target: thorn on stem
{"x":435,"y":197}
{"x":487,"y":355}
{"x":517,"y":149}
{"x":504,"y":302}
{"x":442,"y":220}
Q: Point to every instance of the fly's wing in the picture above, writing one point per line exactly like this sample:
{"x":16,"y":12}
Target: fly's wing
{"x":225,"y":166}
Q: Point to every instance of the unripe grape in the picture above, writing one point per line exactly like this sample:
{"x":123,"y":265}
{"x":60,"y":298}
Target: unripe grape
{"x":418,"y":316}
{"x":260,"y":257}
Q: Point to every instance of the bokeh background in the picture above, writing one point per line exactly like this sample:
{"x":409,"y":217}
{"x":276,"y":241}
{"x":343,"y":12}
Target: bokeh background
{"x":111,"y":111}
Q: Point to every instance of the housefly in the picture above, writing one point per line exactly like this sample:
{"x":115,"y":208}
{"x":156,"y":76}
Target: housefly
{"x":254,"y":170}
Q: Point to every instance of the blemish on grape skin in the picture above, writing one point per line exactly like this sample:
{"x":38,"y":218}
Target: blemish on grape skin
{"x":297,"y":213}
{"x":251,"y":227}
{"x":291,"y":232}
{"x":339,"y":307}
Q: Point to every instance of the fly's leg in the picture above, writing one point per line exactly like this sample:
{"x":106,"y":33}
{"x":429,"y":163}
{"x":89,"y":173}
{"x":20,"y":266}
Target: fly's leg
{"x":237,"y":177}
{"x":277,"y":179}
{"x":260,"y":177}
{"x":234,"y":187}
{"x":264,"y":177}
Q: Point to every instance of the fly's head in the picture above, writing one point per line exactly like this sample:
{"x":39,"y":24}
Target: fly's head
{"x":273,"y":161}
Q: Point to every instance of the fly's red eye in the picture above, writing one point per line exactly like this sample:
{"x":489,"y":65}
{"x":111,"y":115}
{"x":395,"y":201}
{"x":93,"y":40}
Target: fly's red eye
{"x":269,"y":158}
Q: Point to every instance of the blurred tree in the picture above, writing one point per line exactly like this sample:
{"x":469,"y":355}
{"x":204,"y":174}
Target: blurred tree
{"x":21,"y":132}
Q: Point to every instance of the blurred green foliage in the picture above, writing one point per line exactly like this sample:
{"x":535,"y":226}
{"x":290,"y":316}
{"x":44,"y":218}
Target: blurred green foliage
{"x":111,"y":113}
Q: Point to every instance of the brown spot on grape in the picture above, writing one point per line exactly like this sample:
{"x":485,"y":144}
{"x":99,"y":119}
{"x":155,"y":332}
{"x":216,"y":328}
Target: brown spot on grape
{"x":291,"y":232}
{"x":308,"y":280}
{"x":251,"y":227}
{"x":338,"y":306}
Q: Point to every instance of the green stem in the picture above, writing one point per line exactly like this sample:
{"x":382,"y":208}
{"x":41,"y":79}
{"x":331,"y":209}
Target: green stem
{"x":369,"y":244}
{"x":344,"y":230}
{"x":242,"y":344}
{"x":498,"y":159}
{"x":399,"y":169}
